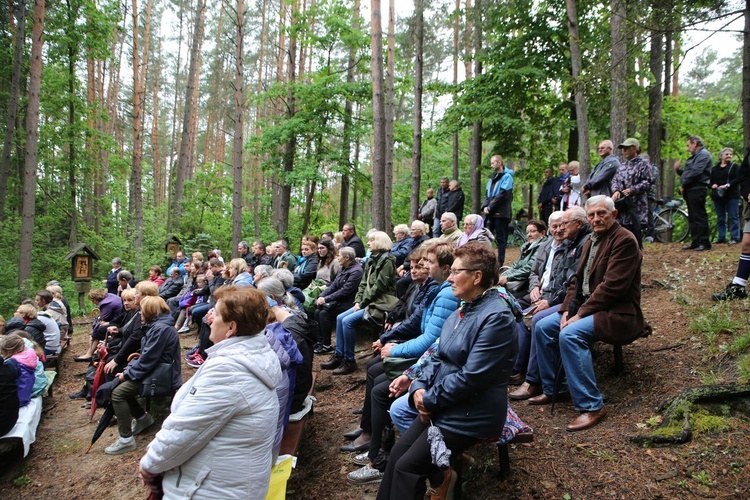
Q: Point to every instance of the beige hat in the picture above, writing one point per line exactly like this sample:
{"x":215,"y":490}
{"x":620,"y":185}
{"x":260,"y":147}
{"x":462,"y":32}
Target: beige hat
{"x":629,"y":142}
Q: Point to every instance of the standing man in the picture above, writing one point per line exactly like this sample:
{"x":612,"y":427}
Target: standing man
{"x":111,"y":281}
{"x":441,"y":197}
{"x":454,"y":201}
{"x":603,"y":302}
{"x":497,"y":205}
{"x":545,"y":200}
{"x":601,"y":177}
{"x":178,"y":263}
{"x":427,"y":211}
{"x":695,"y":179}
{"x":244,"y":250}
{"x":352,"y":240}
{"x":630,"y":188}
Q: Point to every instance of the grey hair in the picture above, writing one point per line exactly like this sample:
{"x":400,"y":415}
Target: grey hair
{"x":348,"y":252}
{"x":242,"y":244}
{"x":283,"y":244}
{"x":263,"y":270}
{"x":285,"y":276}
{"x":579,"y":214}
{"x":696,"y":139}
{"x":401,"y":228}
{"x":450,"y":216}
{"x":472,"y":217}
{"x":594,"y":200}
{"x":117,"y":260}
{"x":273,"y":286}
{"x":125,"y":275}
{"x":554,"y":216}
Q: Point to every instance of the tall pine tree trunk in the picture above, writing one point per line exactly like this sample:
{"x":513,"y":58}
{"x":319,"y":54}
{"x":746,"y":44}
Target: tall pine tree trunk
{"x":476,"y":137}
{"x":580,"y":98}
{"x":290,"y":149}
{"x":28,"y":210}
{"x":416,"y":155}
{"x":390,"y":97}
{"x":456,"y":24}
{"x":347,"y":132}
{"x":746,"y":80}
{"x":15,"y":83}
{"x":378,"y":115}
{"x":619,"y":84}
{"x":655,"y":96}
{"x":239,"y":123}
{"x":187,"y":141}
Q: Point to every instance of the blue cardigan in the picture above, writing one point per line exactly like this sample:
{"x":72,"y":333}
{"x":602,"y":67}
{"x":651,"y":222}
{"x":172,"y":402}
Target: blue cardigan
{"x":440,"y":304}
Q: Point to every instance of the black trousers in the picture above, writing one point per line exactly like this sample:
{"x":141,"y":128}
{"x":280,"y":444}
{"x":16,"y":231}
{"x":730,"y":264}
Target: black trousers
{"x":326,"y":319}
{"x":410,"y":463}
{"x":374,"y":370}
{"x":381,"y":401}
{"x":697,"y":216}
{"x":499,"y":227}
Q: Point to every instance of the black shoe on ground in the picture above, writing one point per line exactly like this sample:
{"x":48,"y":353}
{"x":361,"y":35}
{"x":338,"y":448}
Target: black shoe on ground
{"x":358,"y":411}
{"x":720,"y":240}
{"x":731,"y":292}
{"x":78,"y":395}
{"x":702,"y":248}
{"x":690,"y":246}
{"x":332,"y":363}
{"x":323,"y":349}
{"x":345,"y":368}
{"x":353,"y":434}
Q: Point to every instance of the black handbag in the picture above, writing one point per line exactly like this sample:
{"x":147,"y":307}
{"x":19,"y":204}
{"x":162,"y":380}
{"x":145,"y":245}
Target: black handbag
{"x":158,"y":382}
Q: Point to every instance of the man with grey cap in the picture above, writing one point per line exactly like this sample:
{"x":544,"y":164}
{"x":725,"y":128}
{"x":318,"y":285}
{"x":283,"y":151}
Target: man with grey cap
{"x":630,"y":188}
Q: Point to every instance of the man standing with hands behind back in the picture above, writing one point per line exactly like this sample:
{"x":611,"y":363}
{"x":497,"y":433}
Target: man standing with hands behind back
{"x":497,"y":206}
{"x":695,"y":179}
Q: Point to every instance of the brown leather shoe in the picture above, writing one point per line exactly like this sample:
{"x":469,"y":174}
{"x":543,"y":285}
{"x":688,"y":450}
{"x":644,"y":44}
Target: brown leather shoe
{"x":516,"y":379}
{"x":526,"y":391}
{"x":445,"y":490}
{"x":544,"y":399}
{"x":345,"y":368}
{"x":332,"y":363}
{"x":587,"y":419}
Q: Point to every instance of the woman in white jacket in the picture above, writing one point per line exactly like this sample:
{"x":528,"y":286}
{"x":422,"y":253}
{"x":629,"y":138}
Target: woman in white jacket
{"x":217,"y":441}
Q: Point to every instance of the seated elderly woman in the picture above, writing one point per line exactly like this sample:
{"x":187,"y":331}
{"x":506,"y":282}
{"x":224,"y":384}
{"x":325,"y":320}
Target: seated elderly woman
{"x":403,"y":244}
{"x":218,"y":440}
{"x":474,"y":230}
{"x":110,"y":313}
{"x":477,"y":350}
{"x":515,"y":279}
{"x":261,"y":271}
{"x":159,"y":345}
{"x":337,"y":298}
{"x":376,"y":296}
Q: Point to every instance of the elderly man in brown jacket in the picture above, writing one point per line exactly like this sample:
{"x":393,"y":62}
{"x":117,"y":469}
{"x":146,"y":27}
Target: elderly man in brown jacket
{"x":603,"y":303}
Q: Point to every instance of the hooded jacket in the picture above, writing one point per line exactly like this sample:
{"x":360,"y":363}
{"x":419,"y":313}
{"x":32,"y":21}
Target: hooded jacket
{"x":160,"y":344}
{"x":23,"y":365}
{"x":34,"y":327}
{"x":217,"y":442}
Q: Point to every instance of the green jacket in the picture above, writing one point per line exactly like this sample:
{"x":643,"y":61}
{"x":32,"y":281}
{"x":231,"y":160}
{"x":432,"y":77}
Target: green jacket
{"x":521,"y":269}
{"x":379,"y":279}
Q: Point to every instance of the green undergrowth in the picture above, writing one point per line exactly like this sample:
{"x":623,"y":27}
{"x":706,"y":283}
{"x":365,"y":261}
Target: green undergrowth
{"x":703,"y":420}
{"x":724,"y":329}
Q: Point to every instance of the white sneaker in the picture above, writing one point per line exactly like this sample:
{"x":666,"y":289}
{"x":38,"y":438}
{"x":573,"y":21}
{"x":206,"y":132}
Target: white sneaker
{"x":362,"y":459}
{"x":365,"y":475}
{"x":185,"y":328}
{"x":119,"y":447}
{"x":139,"y":425}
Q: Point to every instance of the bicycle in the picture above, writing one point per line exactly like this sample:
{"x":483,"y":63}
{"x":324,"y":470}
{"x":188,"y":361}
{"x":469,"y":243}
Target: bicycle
{"x":671,"y":221}
{"x":516,"y":235}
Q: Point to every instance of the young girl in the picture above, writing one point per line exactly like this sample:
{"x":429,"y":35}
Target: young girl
{"x":22,"y":362}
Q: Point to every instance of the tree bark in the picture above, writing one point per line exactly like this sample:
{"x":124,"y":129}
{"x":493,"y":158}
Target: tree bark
{"x":28,"y":210}
{"x":290,"y":149}
{"x":390,"y":96}
{"x":580,"y":98}
{"x":72,"y":78}
{"x":188,"y":121}
{"x":655,"y":96}
{"x":476,"y":138}
{"x":239,"y":123}
{"x":416,"y":155}
{"x":456,"y":28}
{"x":619,"y":83}
{"x":347,"y":132}
{"x":257,"y":173}
{"x":746,"y":81}
{"x":10,"y":122}
{"x":378,"y":115}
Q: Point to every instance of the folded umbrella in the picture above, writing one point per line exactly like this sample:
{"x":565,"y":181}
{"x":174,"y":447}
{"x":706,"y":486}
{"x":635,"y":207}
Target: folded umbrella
{"x":99,"y":377}
{"x":103,"y":399}
{"x":441,"y":455}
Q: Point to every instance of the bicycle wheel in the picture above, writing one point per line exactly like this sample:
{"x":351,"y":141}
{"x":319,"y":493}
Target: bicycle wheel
{"x":516,"y":238}
{"x":671,"y":225}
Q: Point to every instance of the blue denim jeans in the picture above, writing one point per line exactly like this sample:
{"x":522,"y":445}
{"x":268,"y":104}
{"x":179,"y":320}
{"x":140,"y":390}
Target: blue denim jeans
{"x":402,"y":415}
{"x":573,"y":345}
{"x":346,"y":333}
{"x":728,"y":209}
{"x":526,"y":359}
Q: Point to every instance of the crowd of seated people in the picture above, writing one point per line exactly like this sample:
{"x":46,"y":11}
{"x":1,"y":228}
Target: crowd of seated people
{"x":450,"y":325}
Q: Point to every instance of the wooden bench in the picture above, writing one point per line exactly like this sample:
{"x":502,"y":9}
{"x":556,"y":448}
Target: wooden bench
{"x":293,"y":433}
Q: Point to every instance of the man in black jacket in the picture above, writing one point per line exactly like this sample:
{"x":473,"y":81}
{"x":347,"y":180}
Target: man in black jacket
{"x":172,"y":286}
{"x":695,"y":179}
{"x":454,"y":201}
{"x":547,"y":195}
{"x":442,"y":199}
{"x":352,"y":240}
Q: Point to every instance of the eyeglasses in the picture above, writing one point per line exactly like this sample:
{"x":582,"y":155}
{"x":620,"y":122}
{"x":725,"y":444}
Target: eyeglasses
{"x":566,"y":222}
{"x":454,"y":272}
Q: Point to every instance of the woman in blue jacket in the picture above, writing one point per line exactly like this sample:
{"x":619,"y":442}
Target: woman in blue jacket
{"x":462,"y":389}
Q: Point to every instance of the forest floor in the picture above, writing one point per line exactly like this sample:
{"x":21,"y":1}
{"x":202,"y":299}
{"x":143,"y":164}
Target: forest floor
{"x":600,"y":462}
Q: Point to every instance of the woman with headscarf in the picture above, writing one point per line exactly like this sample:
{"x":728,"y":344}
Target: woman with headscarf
{"x":474,"y":230}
